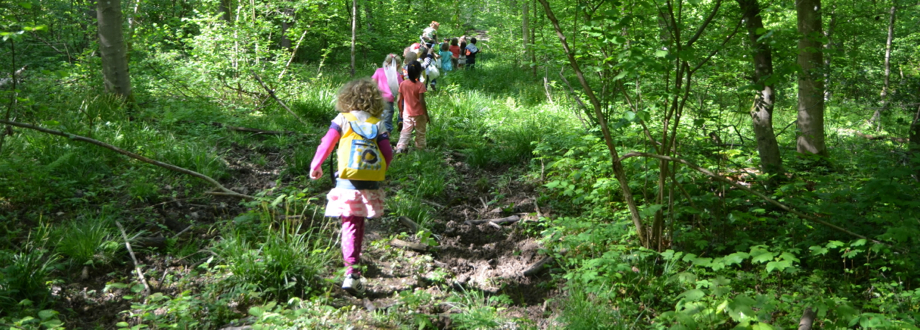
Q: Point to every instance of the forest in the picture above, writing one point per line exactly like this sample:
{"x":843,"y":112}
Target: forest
{"x":606,"y":164}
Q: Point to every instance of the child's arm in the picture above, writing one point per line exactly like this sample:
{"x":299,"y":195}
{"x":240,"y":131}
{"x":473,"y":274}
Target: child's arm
{"x":383,"y":142}
{"x":322,"y":152}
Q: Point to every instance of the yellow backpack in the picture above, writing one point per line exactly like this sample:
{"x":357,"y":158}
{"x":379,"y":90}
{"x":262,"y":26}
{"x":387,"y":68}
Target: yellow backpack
{"x":359,"y":156}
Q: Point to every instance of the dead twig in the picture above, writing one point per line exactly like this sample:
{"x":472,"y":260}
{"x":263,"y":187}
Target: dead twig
{"x":137,"y":267}
{"x":223,"y":190}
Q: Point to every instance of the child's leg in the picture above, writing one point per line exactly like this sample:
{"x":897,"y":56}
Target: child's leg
{"x":352,"y":238}
{"x":421,"y":127}
{"x":408,"y":124}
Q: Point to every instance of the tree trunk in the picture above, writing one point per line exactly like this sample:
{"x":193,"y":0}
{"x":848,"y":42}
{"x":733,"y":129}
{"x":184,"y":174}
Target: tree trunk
{"x":877,"y":116}
{"x":287,"y":21}
{"x":811,"y":89}
{"x":828,"y":48}
{"x":224,"y":7}
{"x":354,"y":22}
{"x":914,"y":144}
{"x":112,"y":48}
{"x":762,"y":111}
{"x":525,"y":29}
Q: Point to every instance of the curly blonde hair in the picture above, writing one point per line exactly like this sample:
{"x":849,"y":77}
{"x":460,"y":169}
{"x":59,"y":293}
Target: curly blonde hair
{"x":361,"y":94}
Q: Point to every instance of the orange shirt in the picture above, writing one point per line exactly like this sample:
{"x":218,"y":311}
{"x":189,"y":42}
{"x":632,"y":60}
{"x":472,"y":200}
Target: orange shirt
{"x":411,"y":92}
{"x":455,"y":50}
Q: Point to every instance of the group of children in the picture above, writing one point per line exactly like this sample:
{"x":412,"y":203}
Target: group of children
{"x":362,"y":132}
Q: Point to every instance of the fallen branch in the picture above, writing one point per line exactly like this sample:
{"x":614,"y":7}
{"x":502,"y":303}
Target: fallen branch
{"x":272,"y":93}
{"x":223,"y":190}
{"x":293,"y":53}
{"x":758,"y":194}
{"x":137,"y":267}
{"x":511,"y":219}
{"x":409,"y":223}
{"x":537,"y":267}
{"x":412,"y":246}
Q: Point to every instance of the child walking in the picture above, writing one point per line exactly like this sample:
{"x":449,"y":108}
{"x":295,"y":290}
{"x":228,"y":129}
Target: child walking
{"x":415,"y":110}
{"x":455,"y":52}
{"x":388,"y":79}
{"x":446,"y":55}
{"x":462,"y":59}
{"x":364,"y":154}
{"x":471,"y":52}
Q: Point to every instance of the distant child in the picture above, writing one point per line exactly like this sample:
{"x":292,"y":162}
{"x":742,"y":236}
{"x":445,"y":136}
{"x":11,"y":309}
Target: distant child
{"x":415,"y":111}
{"x":388,"y":79}
{"x":427,"y":58}
{"x":364,"y":154}
{"x":455,"y":52}
{"x":471,"y":52}
{"x":462,"y":59}
{"x":446,"y":64}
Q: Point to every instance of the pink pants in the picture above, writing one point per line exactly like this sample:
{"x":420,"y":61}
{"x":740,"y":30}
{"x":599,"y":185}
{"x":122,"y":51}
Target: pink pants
{"x":352,"y":238}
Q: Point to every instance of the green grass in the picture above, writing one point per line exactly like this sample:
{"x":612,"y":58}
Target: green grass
{"x":91,"y":241}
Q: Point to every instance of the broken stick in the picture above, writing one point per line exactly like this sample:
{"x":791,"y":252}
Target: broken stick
{"x":137,"y":267}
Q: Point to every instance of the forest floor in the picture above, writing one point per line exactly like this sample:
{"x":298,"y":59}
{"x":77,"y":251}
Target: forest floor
{"x":486,"y":259}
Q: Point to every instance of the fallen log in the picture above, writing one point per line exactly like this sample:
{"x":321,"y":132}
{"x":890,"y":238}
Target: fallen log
{"x":511,"y":219}
{"x":537,"y":267}
{"x":409,"y":223}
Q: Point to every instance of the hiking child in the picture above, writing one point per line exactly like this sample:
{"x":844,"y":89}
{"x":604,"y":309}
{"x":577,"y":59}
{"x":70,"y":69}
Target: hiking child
{"x":429,"y":59}
{"x":364,"y":154}
{"x":430,"y":34}
{"x":446,"y":55}
{"x":415,"y":111}
{"x":471,"y":51}
{"x":462,"y":59}
{"x":388,"y":78}
{"x":455,"y":52}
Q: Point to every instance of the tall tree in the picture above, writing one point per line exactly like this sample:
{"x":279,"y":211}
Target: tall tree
{"x":811,"y":87}
{"x":354,"y":23}
{"x":112,"y":48}
{"x":762,"y":111}
{"x":877,"y":116}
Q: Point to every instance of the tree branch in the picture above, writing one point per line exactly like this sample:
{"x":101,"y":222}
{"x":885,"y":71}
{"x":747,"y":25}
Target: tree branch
{"x":699,"y":32}
{"x":224,"y":190}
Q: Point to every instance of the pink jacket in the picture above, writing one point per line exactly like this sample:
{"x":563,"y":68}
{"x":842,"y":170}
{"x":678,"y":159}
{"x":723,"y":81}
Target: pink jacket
{"x":381,"y":78}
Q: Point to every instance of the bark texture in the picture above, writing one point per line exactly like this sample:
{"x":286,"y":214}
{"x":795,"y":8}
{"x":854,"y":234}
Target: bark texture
{"x":112,"y":48}
{"x":877,"y":116}
{"x":811,"y":89}
{"x":762,"y":111}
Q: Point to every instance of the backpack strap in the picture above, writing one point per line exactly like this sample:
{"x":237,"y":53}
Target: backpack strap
{"x":350,"y":117}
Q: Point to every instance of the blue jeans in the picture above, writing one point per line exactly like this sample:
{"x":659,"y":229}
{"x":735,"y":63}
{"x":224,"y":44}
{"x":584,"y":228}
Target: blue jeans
{"x":388,"y":116}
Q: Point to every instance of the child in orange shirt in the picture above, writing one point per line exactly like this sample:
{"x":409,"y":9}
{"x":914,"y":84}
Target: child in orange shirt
{"x":415,"y":110}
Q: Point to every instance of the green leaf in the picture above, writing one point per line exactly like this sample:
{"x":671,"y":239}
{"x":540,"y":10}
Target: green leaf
{"x":761,"y":255}
{"x":122,"y":324}
{"x":46,"y":314}
{"x":761,"y":326}
{"x":137,"y":288}
{"x":735,"y":258}
{"x":25,"y":5}
{"x":692,"y":295}
{"x":256,"y":311}
{"x":740,"y":308}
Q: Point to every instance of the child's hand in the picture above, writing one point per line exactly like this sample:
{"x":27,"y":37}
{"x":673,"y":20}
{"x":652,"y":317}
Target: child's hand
{"x":316,"y":173}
